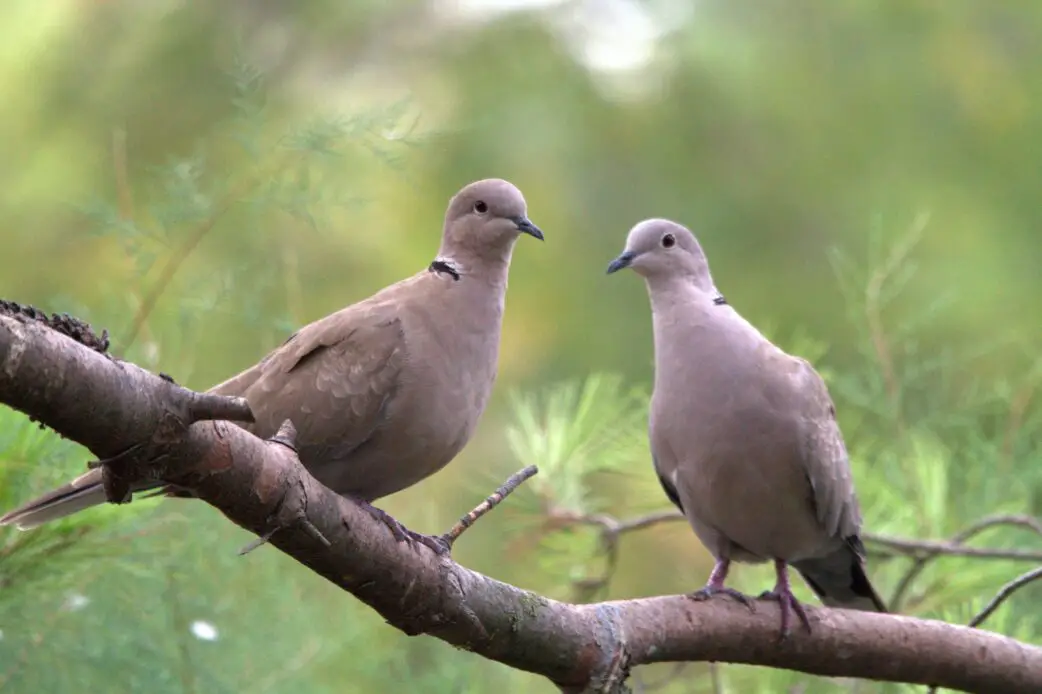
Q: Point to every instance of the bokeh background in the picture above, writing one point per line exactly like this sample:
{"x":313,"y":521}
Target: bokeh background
{"x":201,"y":177}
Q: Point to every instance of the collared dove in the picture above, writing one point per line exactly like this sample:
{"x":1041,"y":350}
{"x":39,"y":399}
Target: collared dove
{"x":385,"y":392}
{"x":743,"y":436}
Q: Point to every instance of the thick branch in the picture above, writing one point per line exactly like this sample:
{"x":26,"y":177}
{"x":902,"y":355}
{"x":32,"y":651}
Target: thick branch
{"x":111,"y":406}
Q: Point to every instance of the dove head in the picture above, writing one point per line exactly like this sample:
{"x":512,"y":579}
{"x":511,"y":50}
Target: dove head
{"x":484,"y":220}
{"x":658,"y":249}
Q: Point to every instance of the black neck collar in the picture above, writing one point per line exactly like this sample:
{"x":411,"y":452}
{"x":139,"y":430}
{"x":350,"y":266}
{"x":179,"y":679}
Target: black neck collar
{"x":439,"y":266}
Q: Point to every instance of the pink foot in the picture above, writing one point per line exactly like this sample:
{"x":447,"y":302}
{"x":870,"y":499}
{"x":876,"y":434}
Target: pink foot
{"x":787,"y":602}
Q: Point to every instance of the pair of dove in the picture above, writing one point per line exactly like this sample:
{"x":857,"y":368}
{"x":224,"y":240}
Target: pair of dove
{"x":387,"y":391}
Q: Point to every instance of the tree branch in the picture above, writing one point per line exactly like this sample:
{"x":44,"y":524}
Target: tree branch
{"x":925,"y":556}
{"x":493,"y":500}
{"x":113,"y":407}
{"x":922,"y":552}
{"x":1004,"y":593}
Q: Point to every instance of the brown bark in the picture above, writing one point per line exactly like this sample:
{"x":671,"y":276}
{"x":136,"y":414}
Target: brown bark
{"x":112,"y":407}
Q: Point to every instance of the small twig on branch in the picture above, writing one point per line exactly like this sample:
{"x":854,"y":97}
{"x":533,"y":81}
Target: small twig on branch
{"x":949,"y":549}
{"x":611,"y":530}
{"x":286,"y":436}
{"x":924,"y":548}
{"x":641,"y":522}
{"x":921,"y":551}
{"x":259,"y":541}
{"x":964,"y":535}
{"x":493,"y":500}
{"x":1015,"y":519}
{"x":925,"y":551}
{"x":1004,"y":593}
{"x":210,"y":406}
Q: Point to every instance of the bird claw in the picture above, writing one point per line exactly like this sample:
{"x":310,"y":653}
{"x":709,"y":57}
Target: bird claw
{"x":709,"y":591}
{"x":439,"y":545}
{"x":436,"y":543}
{"x":787,"y":603}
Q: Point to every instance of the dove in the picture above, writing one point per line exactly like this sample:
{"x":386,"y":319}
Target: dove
{"x":744,"y":437}
{"x":387,"y":391}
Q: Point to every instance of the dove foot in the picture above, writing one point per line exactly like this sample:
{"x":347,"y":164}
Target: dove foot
{"x":709,"y":591}
{"x":787,"y":602}
{"x":715,"y":585}
{"x":438,"y":545}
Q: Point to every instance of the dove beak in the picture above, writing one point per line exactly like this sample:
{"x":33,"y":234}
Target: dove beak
{"x":525,"y":226}
{"x":622,"y":262}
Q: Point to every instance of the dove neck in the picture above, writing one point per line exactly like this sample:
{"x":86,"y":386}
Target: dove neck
{"x":488,"y":267}
{"x":679,"y":308}
{"x":475,"y":294}
{"x":669,"y":292}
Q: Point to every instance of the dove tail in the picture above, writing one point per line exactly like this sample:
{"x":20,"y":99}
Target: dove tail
{"x":839,"y":580}
{"x":81,"y":493}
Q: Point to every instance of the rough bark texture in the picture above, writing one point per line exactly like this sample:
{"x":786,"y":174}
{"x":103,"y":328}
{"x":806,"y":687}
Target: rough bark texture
{"x":112,"y":407}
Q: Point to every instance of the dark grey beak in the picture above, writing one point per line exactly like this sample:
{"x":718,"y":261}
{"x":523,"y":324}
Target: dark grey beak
{"x":622,"y":262}
{"x":525,"y":226}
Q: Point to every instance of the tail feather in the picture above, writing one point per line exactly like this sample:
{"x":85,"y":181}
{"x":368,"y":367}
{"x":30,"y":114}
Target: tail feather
{"x":839,"y":580}
{"x":81,"y":493}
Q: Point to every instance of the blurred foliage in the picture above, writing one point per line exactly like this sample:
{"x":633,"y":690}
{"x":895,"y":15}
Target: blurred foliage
{"x":201,"y":177}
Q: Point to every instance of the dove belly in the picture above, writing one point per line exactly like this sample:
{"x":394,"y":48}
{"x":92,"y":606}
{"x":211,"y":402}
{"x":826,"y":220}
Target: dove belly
{"x":740,"y":479}
{"x":428,"y":422}
{"x":406,"y":449}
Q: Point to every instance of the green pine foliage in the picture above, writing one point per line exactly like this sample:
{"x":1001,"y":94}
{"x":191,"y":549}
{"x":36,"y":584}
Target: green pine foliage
{"x":236,"y":205}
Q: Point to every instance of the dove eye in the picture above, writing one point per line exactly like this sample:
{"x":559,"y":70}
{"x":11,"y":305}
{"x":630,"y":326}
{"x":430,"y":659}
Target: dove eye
{"x":668,"y":241}
{"x":480,"y":207}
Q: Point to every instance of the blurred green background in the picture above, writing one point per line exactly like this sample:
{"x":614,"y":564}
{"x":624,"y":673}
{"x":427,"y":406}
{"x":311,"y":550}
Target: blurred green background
{"x":864,"y":176}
